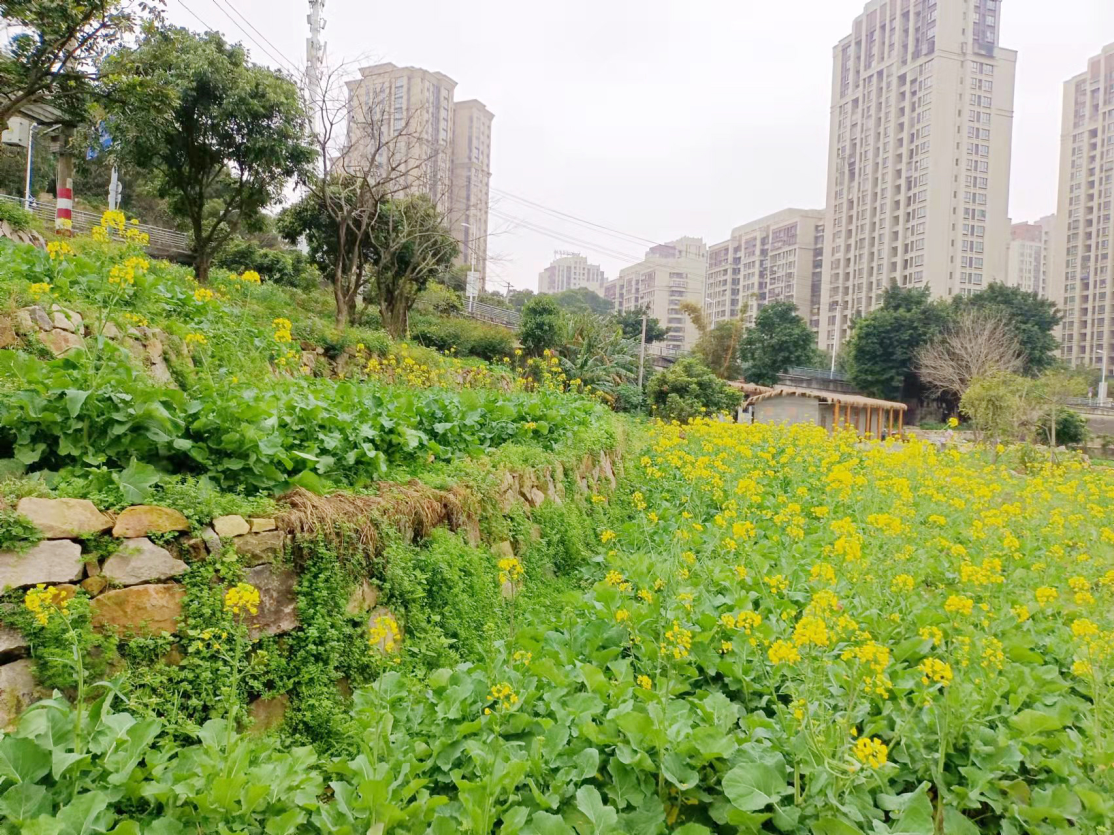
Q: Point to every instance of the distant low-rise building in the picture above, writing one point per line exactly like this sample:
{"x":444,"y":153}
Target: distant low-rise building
{"x":670,"y":274}
{"x":571,"y":271}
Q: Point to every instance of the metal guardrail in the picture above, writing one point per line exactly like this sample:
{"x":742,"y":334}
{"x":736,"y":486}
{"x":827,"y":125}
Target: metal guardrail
{"x":817,"y":373}
{"x":496,"y":315}
{"x":162,"y":240}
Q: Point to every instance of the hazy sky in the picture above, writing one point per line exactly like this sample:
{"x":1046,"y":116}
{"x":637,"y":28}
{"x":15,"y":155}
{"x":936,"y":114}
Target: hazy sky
{"x":657,"y":118}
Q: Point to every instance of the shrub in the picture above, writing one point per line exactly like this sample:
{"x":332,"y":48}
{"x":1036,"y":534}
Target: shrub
{"x":288,"y":267}
{"x":1071,"y":428}
{"x":437,"y":298}
{"x":688,"y":390}
{"x":629,"y":398}
{"x":467,"y":336}
{"x":15,"y":216}
{"x":541,"y":323}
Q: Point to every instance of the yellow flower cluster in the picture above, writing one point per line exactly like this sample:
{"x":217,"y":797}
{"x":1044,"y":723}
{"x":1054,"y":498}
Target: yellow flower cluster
{"x":39,"y":288}
{"x":249,"y":277}
{"x":510,"y":570}
{"x":242,"y":598}
{"x":43,"y":601}
{"x":871,"y":751}
{"x":678,"y":641}
{"x":136,"y":319}
{"x":644,"y":682}
{"x":935,"y":671}
{"x":195,"y":339}
{"x":383,"y":634}
{"x":57,"y":250}
{"x":203,"y":294}
{"x":503,"y":696}
{"x":783,"y":652}
{"x":283,"y":328}
{"x":811,"y":631}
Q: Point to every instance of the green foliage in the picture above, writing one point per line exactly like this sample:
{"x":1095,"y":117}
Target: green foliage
{"x":582,"y":300}
{"x":224,"y":136}
{"x":631,"y":323}
{"x":688,"y":389}
{"x":412,"y":248}
{"x":18,"y":218}
{"x":449,"y":593}
{"x":56,"y":50}
{"x":540,"y":326}
{"x":467,"y":337}
{"x":58,"y":641}
{"x":1032,"y":319}
{"x":593,"y":350}
{"x":718,"y":349}
{"x":289,"y":267}
{"x":996,"y":405}
{"x":1071,"y":428}
{"x":779,"y":340}
{"x":629,"y":398}
{"x":17,"y":532}
{"x":440,"y":300}
{"x":881,"y":350}
{"x":290,"y":431}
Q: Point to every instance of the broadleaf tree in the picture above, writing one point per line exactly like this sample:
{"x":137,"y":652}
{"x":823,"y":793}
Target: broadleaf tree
{"x":1032,"y":320}
{"x":779,"y":340}
{"x":55,"y":53}
{"x":226,"y":140}
{"x":631,"y":323}
{"x":881,"y":352}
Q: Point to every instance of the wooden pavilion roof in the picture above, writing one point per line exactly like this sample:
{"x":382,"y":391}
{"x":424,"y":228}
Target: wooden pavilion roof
{"x":827,"y":397}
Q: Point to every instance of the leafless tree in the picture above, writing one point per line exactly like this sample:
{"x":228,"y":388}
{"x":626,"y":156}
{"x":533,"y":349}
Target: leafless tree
{"x":366,"y":158}
{"x":978,"y":345}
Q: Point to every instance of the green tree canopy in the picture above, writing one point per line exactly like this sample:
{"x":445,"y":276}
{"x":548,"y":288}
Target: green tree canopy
{"x":540,"y":326}
{"x":1031,"y":318}
{"x":225,"y":139}
{"x":57,"y":48}
{"x":582,"y":300}
{"x":881,"y":351}
{"x":688,"y":389}
{"x":779,"y":340}
{"x":411,"y":247}
{"x":631,"y":323}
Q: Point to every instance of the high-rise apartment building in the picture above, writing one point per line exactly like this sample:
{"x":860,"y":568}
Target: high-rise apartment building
{"x":1029,"y":256}
{"x":919,"y":156}
{"x":669,"y":275}
{"x":427,"y":143}
{"x":472,"y":183}
{"x":1082,"y":274}
{"x":776,"y":258}
{"x":571,"y":271}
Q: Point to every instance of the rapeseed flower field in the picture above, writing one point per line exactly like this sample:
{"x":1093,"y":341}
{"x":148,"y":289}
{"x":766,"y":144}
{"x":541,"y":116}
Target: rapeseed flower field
{"x":833,"y":636}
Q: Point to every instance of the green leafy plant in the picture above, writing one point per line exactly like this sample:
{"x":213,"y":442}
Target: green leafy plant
{"x":17,"y":533}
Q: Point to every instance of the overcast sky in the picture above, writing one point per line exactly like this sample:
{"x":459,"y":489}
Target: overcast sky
{"x":656,"y":118}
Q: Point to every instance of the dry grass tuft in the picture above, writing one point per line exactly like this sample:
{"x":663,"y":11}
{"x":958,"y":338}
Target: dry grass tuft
{"x":344,"y":519}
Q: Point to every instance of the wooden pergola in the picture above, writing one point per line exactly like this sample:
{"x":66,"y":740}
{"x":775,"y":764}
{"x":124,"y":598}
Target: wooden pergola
{"x":866,"y":415}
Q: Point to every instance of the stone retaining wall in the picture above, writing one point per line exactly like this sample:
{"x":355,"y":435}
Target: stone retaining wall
{"x":136,"y":590}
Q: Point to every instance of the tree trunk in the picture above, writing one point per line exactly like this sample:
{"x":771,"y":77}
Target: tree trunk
{"x":1052,"y":434}
{"x":340,"y":297}
{"x":393,"y":312}
{"x":201,"y":266}
{"x":201,"y":253}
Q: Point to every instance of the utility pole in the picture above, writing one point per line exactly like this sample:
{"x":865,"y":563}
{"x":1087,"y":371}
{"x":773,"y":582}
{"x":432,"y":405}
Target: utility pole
{"x":114,"y":191}
{"x":27,"y":177}
{"x":315,"y":51}
{"x":835,"y":342}
{"x":642,"y":352}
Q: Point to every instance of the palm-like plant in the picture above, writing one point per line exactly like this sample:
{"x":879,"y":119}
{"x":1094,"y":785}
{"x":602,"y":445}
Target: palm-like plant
{"x":592,"y":349}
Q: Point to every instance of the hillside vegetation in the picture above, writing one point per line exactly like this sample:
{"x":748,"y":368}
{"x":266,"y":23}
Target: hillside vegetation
{"x":517,"y":612}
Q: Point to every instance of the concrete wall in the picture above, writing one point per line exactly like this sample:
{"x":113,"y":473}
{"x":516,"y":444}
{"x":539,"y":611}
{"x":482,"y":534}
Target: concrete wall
{"x":789,"y":410}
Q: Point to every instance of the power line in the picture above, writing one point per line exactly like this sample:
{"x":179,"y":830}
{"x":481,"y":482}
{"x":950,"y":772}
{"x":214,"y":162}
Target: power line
{"x":592,"y":246}
{"x":196,"y":15}
{"x":292,"y":65}
{"x":583,"y":221}
{"x":247,"y":34}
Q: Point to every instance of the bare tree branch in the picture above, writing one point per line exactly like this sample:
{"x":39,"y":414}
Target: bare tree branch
{"x":979,"y":344}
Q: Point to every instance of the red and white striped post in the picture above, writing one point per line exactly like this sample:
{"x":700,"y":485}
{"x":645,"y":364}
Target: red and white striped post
{"x":63,"y":213}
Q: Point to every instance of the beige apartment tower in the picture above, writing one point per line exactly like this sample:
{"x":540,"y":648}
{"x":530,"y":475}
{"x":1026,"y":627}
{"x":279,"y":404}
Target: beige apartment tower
{"x":776,"y":258}
{"x":1029,"y":256}
{"x":919,"y":156}
{"x":571,"y":271}
{"x":670,"y":274}
{"x":1082,"y":273}
{"x":408,"y":118}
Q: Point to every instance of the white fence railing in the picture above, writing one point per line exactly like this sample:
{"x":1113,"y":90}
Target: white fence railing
{"x":162,"y":240}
